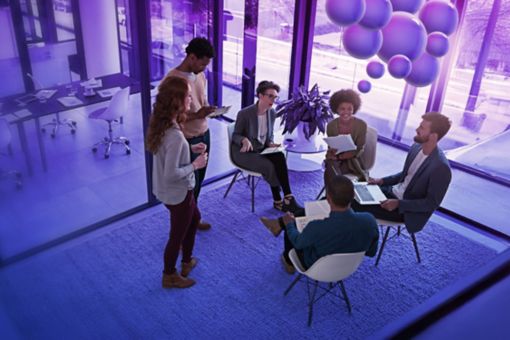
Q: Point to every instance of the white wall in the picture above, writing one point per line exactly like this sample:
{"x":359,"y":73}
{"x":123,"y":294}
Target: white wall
{"x":100,"y":38}
{"x":7,"y":37}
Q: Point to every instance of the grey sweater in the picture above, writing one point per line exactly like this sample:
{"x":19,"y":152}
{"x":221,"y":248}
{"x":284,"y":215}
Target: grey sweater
{"x":172,"y":170}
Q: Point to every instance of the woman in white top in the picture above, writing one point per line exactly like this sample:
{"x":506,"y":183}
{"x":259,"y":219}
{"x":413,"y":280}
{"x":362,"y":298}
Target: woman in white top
{"x":173,"y":177}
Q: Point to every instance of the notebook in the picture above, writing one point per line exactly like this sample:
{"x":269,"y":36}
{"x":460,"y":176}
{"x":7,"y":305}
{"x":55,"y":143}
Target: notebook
{"x":273,"y":149}
{"x":368,"y":193}
{"x":108,"y":92}
{"x":341,"y":143}
{"x":314,"y":210}
{"x":70,"y":101}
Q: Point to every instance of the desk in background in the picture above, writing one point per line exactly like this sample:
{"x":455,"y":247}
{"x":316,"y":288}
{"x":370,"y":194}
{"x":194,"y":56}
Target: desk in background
{"x":19,"y":114}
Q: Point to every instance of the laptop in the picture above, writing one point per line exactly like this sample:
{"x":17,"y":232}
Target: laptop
{"x":368,"y":194}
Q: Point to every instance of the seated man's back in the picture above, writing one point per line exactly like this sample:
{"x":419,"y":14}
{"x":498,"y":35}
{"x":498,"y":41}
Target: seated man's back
{"x":341,"y":232}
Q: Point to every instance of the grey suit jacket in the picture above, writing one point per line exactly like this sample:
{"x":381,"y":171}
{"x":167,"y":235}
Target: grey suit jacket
{"x":426,"y":190}
{"x":247,"y":125}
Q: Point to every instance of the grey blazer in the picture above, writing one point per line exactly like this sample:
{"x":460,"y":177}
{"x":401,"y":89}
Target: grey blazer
{"x":247,"y":125}
{"x":426,"y":190}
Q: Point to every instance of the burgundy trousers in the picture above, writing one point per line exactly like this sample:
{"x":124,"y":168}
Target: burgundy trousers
{"x":184,"y":219}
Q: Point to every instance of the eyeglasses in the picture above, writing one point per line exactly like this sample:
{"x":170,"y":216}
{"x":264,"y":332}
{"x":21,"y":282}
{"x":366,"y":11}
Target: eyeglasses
{"x":271,"y":96}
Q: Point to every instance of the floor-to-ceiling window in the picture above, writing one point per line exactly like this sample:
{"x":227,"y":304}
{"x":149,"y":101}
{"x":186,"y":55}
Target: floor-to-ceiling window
{"x":477,"y":97}
{"x":274,"y":42}
{"x":334,"y":69}
{"x":58,"y":180}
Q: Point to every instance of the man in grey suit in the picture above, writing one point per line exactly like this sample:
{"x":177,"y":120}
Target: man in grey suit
{"x":417,"y":191}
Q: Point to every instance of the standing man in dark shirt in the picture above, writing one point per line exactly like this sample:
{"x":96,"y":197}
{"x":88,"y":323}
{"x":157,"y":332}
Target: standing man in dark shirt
{"x":344,"y":231}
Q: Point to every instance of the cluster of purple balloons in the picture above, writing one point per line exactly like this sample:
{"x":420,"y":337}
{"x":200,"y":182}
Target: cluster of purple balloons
{"x":408,"y":35}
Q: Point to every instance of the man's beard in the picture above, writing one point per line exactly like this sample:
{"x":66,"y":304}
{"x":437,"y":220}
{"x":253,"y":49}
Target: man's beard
{"x":420,"y":140}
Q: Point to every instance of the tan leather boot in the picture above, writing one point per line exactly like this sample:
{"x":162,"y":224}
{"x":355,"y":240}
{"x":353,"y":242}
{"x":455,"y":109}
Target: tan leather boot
{"x":188,"y":266}
{"x":176,"y":281}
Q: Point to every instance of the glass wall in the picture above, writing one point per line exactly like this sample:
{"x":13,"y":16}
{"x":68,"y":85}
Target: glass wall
{"x":477,"y":96}
{"x":58,"y":174}
{"x":274,"y":42}
{"x":233,"y":43}
{"x":333,"y":69}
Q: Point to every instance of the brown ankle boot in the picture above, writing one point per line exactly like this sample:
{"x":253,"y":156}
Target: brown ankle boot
{"x":272,"y":225}
{"x":176,"y":281}
{"x":188,"y":266}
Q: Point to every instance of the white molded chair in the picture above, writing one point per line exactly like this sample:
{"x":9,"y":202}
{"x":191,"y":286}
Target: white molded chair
{"x":367,"y":158}
{"x":5,"y":141}
{"x":331,"y":269}
{"x":116,"y":109}
{"x":392,"y":225}
{"x":247,"y":175}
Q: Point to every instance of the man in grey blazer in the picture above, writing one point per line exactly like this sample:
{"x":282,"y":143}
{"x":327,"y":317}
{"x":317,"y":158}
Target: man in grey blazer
{"x":417,"y":191}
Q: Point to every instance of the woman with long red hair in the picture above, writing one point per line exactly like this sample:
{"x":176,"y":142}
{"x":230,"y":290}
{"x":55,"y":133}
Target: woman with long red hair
{"x":173,"y":177}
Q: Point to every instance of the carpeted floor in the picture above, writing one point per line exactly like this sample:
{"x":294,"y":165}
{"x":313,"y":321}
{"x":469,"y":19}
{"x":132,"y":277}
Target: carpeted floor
{"x":108,"y":285}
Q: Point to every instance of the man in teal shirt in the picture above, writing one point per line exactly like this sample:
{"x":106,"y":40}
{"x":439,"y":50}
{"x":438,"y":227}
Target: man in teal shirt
{"x":344,"y":231}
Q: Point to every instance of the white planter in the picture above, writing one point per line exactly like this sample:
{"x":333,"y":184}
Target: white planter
{"x":297,"y":142}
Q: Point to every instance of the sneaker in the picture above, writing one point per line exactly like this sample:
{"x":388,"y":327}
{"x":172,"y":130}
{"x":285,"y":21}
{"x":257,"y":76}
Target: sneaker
{"x":272,"y":225}
{"x":289,"y":267}
{"x":176,"y":281}
{"x":291,"y":205}
{"x":186,"y":267}
{"x":203,"y":225}
{"x":278,"y":205}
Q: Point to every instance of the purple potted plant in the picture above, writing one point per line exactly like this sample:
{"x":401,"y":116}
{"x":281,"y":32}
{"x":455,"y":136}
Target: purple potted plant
{"x":307,"y":107}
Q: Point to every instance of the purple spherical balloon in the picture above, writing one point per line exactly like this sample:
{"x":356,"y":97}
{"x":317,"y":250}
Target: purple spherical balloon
{"x":424,"y":71}
{"x":360,"y":42}
{"x":375,"y":69}
{"x":404,"y":34}
{"x":364,"y":86}
{"x":439,"y":16}
{"x":399,"y":66}
{"x":377,"y":14}
{"x":410,"y":6}
{"x":345,"y":12}
{"x":437,"y":44}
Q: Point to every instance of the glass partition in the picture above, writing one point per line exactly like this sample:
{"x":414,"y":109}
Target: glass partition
{"x":274,"y":42}
{"x":62,"y":175}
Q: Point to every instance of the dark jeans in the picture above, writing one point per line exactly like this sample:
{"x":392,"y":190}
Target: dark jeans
{"x":184,"y":219}
{"x":377,"y":210}
{"x":287,"y":245}
{"x":280,"y":166}
{"x":200,"y":173}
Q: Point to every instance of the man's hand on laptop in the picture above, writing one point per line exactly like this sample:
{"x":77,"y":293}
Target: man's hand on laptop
{"x":390,"y":204}
{"x":377,"y":181}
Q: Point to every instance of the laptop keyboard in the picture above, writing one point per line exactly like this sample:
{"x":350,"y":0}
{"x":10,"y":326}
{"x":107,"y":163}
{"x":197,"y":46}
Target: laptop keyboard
{"x":363,"y":193}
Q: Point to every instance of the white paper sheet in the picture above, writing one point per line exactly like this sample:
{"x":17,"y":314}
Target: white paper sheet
{"x":341,"y":143}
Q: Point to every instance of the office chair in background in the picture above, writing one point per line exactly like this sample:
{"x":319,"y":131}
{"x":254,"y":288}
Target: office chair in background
{"x":116,"y":109}
{"x":56,"y":122}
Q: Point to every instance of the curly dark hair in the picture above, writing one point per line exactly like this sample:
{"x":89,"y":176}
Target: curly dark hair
{"x":265,"y":85}
{"x":200,"y":47}
{"x":345,"y":96}
{"x":168,"y":108}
